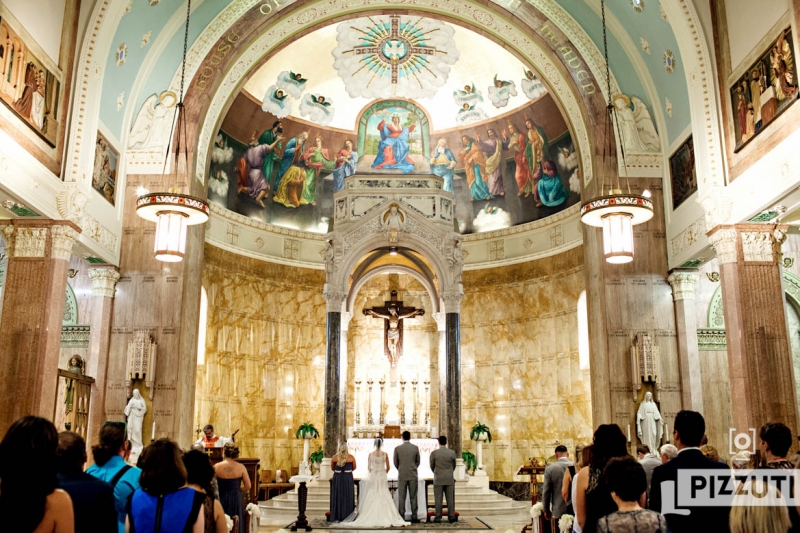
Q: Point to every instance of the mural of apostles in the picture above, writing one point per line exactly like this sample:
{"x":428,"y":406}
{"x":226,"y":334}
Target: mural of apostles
{"x":393,"y":148}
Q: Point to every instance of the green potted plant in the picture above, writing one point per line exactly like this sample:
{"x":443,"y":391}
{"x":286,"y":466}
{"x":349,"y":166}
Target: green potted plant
{"x":307,"y":431}
{"x":316,"y":458}
{"x":480,"y":432}
{"x":470,"y":462}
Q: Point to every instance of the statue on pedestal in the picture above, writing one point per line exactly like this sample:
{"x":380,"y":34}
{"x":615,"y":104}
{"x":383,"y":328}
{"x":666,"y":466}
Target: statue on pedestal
{"x":135,"y":411}
{"x":649,"y":425}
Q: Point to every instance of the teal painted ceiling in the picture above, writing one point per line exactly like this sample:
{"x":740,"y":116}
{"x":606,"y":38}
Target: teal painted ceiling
{"x":144,"y":19}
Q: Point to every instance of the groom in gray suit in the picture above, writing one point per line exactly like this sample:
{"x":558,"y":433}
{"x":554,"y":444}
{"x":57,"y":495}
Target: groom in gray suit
{"x":443,"y":464}
{"x":406,"y":460}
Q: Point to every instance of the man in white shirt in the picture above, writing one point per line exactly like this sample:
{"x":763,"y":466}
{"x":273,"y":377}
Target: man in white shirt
{"x":210,"y":440}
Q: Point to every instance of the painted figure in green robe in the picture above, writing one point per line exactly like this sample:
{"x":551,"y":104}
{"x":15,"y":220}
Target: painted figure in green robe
{"x":269,"y":137}
{"x":316,"y":158}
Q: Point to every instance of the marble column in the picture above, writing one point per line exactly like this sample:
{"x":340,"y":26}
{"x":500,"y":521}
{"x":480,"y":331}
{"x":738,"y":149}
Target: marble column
{"x":452,"y":302}
{"x":30,"y":328}
{"x":335,"y":375}
{"x":104,"y":281}
{"x":759,"y":351}
{"x":683,"y":283}
{"x":441,"y":324}
{"x":344,"y":327}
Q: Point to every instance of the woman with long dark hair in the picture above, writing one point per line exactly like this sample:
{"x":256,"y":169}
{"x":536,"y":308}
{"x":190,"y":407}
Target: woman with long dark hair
{"x":593,"y":499}
{"x":29,"y":500}
{"x":164,"y":503}
{"x":200,"y":477}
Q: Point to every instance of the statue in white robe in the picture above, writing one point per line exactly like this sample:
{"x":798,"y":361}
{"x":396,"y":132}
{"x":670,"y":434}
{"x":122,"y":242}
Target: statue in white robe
{"x":135,"y":411}
{"x":649,"y":425}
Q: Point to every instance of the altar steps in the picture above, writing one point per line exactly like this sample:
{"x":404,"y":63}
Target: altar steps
{"x":470,"y":501}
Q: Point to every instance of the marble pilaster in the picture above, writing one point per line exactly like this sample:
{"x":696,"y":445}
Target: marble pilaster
{"x":759,"y":351}
{"x":452,"y":307}
{"x":335,"y":393}
{"x":683,"y":283}
{"x":104,"y":281}
{"x":30,"y":336}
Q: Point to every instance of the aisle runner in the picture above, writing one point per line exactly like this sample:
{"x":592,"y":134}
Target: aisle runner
{"x":464,"y":523}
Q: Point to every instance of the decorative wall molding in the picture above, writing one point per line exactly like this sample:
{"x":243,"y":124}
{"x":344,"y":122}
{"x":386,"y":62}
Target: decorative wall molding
{"x":711,"y":339}
{"x":75,"y":336}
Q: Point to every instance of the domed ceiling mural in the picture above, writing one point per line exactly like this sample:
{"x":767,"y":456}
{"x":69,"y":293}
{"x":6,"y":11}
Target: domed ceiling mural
{"x":396,"y":94}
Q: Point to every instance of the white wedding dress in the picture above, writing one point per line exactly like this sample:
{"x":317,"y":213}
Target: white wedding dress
{"x":376,"y":508}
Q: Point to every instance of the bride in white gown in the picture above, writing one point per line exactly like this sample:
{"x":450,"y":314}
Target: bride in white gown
{"x":376,"y":508}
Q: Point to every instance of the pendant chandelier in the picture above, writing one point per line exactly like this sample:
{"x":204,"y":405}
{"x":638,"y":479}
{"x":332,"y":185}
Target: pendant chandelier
{"x":614,"y":211}
{"x":172,"y":212}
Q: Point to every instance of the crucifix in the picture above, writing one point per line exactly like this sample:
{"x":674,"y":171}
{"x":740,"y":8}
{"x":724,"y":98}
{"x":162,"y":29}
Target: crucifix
{"x":393,"y":313}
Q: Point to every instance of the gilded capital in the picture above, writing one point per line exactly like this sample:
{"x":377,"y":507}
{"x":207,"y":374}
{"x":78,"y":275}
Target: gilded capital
{"x":104,"y":281}
{"x":62,"y":239}
{"x":683,"y":285}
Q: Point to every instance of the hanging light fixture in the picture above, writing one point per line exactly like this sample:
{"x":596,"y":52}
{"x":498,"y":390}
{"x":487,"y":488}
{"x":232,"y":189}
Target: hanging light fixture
{"x":614,"y":211}
{"x":173,"y":212}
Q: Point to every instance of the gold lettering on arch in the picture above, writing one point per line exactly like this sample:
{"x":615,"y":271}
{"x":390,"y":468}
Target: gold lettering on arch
{"x":574,"y":63}
{"x":267,"y":7}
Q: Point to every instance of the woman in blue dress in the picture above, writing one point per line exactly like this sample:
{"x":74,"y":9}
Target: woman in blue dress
{"x":342,"y":490}
{"x":346,"y":161}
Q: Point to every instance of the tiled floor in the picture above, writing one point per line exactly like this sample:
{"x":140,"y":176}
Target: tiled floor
{"x":503,"y":524}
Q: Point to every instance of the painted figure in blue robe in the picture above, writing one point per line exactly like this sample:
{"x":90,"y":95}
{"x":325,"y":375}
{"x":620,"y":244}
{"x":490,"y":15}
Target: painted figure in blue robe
{"x":474,"y":161}
{"x":295,"y":145}
{"x":393,"y":149}
{"x":346,"y":161}
{"x":443,"y":164}
{"x":551,"y":189}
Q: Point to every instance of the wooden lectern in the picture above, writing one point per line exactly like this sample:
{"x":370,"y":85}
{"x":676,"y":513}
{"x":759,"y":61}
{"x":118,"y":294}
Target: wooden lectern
{"x":391,"y":432}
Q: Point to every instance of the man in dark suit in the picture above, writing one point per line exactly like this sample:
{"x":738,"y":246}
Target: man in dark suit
{"x":443,"y":464}
{"x":686,"y":434}
{"x":92,"y":499}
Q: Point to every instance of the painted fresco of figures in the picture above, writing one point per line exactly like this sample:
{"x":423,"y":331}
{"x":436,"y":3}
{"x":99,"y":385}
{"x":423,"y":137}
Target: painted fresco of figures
{"x":291,"y":180}
{"x":104,"y":173}
{"x":515,"y":140}
{"x":443,"y":164}
{"x":274,"y":138}
{"x":251,"y":170}
{"x":536,"y":147}
{"x":393,"y":148}
{"x":551,"y":189}
{"x":493,"y":149}
{"x":783,"y":68}
{"x":346,"y":161}
{"x":316,"y":158}
{"x":474,"y":161}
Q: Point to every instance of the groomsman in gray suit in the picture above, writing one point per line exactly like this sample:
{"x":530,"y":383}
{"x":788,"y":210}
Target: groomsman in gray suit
{"x":554,"y":504}
{"x":443,"y":464}
{"x":406,"y":460}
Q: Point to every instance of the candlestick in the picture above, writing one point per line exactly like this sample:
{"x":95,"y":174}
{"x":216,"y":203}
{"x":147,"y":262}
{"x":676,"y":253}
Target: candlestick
{"x":629,"y":432}
{"x":153,"y":437}
{"x":358,"y":406}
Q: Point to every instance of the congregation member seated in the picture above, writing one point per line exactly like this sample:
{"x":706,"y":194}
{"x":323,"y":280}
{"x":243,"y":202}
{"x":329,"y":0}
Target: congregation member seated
{"x":200,"y":477}
{"x":627,"y":482}
{"x":164,"y":503}
{"x":231,"y":478}
{"x":110,"y":466}
{"x":92,"y":499}
{"x":29,"y":499}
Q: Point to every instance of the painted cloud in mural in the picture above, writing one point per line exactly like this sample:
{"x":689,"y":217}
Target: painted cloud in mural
{"x":501,"y":92}
{"x":470,"y":95}
{"x":532,"y":87}
{"x":318,"y":108}
{"x":469,"y":114}
{"x":292,"y":82}
{"x":492,"y":218}
{"x":276,"y":101}
{"x":398,"y":55}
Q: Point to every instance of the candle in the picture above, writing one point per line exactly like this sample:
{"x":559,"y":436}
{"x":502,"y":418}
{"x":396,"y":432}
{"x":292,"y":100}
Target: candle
{"x":153,"y":437}
{"x":666,"y":433}
{"x":629,"y":432}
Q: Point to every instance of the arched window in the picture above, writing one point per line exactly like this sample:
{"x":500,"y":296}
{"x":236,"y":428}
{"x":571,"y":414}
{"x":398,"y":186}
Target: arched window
{"x":201,"y":331}
{"x":583,"y":332}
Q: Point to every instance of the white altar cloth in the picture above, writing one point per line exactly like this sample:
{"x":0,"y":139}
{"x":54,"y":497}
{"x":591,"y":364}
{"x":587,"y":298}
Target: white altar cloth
{"x":361,"y":448}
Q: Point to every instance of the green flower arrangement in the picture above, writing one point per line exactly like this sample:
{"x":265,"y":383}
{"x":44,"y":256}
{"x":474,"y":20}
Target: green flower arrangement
{"x":307,"y":429}
{"x":479,"y":428}
{"x":470,"y":461}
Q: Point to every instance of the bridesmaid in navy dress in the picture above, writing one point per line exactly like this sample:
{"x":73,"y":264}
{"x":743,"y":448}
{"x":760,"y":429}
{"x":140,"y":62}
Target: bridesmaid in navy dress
{"x":342,"y":491}
{"x":232,"y":478}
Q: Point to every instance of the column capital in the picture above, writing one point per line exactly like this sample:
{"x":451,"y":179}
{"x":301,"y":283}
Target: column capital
{"x":452,"y":301}
{"x":334,"y":298}
{"x":29,"y":238}
{"x":724,"y":240}
{"x":683,"y":283}
{"x":748,"y":242}
{"x":104,"y":281}
{"x":62,"y":240}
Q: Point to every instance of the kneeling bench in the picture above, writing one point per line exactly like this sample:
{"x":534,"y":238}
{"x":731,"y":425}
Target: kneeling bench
{"x":432,"y":515}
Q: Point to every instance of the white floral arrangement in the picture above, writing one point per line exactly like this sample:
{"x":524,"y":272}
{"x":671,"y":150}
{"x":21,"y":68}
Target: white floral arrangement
{"x":537,"y":510}
{"x":565,"y":523}
{"x":228,"y":522}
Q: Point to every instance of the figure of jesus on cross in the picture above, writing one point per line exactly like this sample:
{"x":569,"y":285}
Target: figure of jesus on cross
{"x":393,"y":313}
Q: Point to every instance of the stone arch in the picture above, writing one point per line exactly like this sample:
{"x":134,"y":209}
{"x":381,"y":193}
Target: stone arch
{"x":70,"y":308}
{"x":387,"y":269}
